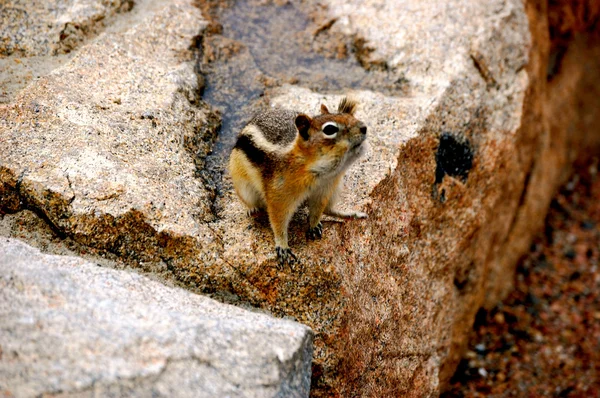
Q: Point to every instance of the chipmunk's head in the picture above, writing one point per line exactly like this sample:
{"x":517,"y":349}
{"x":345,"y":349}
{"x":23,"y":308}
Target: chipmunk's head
{"x":337,"y":138}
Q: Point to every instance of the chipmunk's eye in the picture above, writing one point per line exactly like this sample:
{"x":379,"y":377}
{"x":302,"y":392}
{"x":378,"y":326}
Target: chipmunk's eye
{"x":330,"y":129}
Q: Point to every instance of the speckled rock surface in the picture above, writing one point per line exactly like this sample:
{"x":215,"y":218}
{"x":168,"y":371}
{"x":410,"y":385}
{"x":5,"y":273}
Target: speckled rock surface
{"x":71,"y":328}
{"x":109,"y":151}
{"x":38,"y":36}
{"x":53,"y":27}
{"x":117,"y":134}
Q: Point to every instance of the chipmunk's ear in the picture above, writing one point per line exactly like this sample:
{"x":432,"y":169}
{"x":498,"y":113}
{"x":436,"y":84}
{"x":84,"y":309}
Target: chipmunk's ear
{"x":324,"y":110}
{"x":303,"y":124}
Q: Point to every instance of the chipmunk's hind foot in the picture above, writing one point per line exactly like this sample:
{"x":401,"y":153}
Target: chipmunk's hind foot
{"x":285,"y":256}
{"x":315,"y":232}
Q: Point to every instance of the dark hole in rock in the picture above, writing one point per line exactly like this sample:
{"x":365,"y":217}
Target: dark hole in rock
{"x":460,"y":283}
{"x":453,"y":157}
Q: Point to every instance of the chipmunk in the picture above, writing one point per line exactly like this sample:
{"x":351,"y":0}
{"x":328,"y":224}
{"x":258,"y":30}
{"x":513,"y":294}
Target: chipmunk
{"x":283,"y":158}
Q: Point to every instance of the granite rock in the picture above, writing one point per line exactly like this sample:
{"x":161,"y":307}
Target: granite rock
{"x":109,"y":149}
{"x":53,"y":27}
{"x":37,"y":37}
{"x":71,"y":328}
{"x":118,"y":133}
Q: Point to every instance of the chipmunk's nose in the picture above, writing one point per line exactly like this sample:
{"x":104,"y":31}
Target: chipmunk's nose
{"x":363,"y":128}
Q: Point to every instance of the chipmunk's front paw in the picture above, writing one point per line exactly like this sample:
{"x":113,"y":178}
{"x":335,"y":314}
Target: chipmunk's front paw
{"x":285,"y":256}
{"x":316,"y":232}
{"x":253,"y":212}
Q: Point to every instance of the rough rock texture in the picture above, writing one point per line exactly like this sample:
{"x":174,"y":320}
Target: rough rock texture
{"x":71,"y":328}
{"x":108,"y":149}
{"x":40,"y":35}
{"x":116,"y":136}
{"x":54,"y":26}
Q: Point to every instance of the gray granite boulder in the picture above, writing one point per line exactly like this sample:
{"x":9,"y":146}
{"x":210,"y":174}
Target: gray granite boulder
{"x":71,"y":328}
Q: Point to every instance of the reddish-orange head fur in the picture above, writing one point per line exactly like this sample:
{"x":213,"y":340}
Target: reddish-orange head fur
{"x":335,"y":140}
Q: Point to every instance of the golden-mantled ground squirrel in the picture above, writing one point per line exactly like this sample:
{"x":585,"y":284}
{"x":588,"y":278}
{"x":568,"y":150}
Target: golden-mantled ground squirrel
{"x":283,"y":158}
